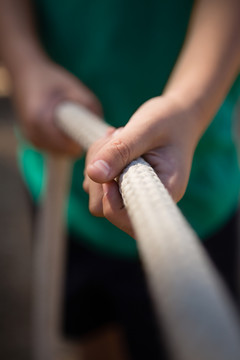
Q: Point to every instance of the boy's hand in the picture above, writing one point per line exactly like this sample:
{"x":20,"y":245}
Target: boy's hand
{"x":164,"y":133}
{"x":37,"y":90}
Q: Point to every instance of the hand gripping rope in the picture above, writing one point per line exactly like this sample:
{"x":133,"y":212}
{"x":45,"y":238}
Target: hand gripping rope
{"x":189,"y":297}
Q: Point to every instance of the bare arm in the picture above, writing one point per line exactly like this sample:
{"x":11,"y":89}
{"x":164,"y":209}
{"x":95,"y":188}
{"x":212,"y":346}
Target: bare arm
{"x":166,"y":129}
{"x":38,"y":83}
{"x":19,"y":45}
{"x":210,"y":58}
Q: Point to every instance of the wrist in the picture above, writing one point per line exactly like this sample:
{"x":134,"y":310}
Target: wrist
{"x":194,"y":105}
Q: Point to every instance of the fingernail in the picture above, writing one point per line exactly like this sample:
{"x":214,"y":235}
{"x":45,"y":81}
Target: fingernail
{"x":102,"y":166}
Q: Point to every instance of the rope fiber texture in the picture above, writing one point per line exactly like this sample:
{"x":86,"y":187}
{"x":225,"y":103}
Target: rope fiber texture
{"x":190,"y":299}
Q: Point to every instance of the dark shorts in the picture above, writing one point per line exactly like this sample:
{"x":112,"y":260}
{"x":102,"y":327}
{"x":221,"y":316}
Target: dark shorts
{"x":101,"y":289}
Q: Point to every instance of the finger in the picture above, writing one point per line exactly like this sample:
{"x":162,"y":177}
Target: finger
{"x":40,"y":129}
{"x":171,"y":169}
{"x":141,"y":134}
{"x":86,"y":184}
{"x":95,"y":199}
{"x":113,"y":208}
{"x":90,"y":153}
{"x":49,"y":140}
{"x":124,"y":146}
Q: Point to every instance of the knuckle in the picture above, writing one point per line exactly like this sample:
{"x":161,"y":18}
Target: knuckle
{"x":122,"y":149}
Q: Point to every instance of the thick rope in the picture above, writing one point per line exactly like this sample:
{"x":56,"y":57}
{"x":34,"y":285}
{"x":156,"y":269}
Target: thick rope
{"x":49,"y":256}
{"x":190,"y":298}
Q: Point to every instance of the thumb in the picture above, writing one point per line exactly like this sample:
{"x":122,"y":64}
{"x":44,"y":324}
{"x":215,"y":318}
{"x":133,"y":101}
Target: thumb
{"x":123,"y":146}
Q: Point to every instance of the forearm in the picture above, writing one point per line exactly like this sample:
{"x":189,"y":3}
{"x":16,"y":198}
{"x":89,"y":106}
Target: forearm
{"x":209,"y":60}
{"x":19,"y":45}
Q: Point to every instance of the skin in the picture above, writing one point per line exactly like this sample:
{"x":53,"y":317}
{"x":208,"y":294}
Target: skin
{"x":38,"y":83}
{"x":165,"y":130}
{"x":169,"y":154}
{"x":35,"y":106}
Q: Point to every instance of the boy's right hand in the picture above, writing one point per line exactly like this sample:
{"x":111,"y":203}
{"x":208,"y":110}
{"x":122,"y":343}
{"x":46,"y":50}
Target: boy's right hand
{"x":36,"y":91}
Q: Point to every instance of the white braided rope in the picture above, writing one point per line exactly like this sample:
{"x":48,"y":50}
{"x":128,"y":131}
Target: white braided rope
{"x":189,"y":296}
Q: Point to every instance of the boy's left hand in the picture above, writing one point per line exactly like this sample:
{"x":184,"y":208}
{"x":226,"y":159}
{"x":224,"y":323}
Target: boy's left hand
{"x":165,"y":133}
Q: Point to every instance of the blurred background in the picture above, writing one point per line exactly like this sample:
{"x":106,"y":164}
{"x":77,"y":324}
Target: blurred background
{"x":14,"y":240}
{"x":16,"y":259}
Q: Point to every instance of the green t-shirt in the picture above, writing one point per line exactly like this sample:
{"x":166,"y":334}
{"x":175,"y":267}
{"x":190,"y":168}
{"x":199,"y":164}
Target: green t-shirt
{"x":125,"y":51}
